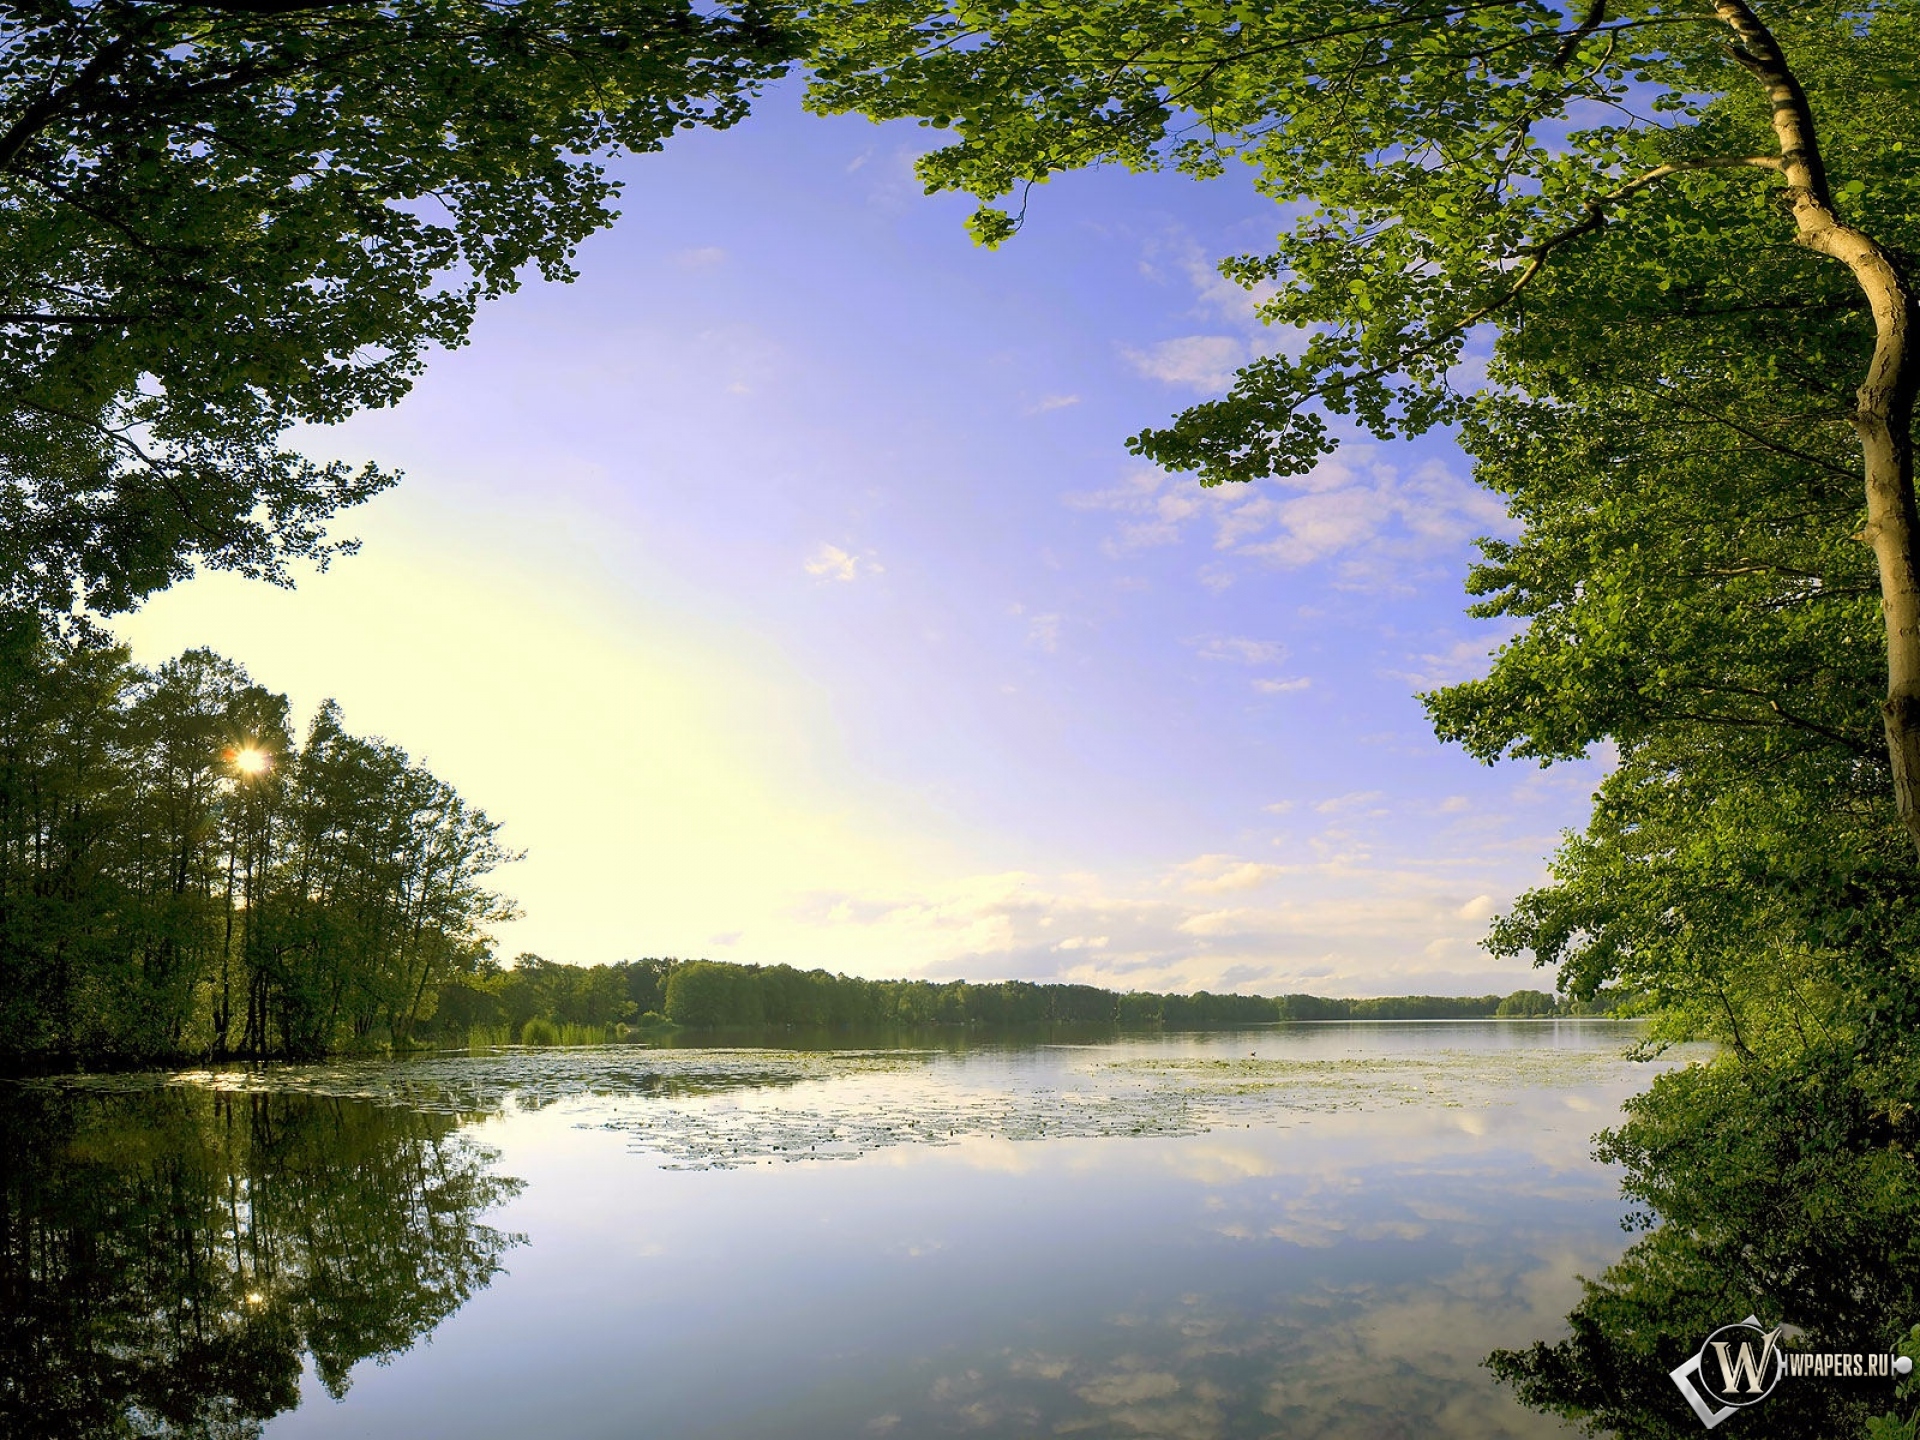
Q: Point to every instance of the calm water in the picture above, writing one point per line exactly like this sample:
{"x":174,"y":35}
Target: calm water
{"x":1302,"y":1232}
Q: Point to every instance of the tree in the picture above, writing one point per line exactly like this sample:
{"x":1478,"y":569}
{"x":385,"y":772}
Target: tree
{"x":1691,"y":592}
{"x":702,"y":993}
{"x":226,"y":218}
{"x":1684,"y":224}
{"x":1525,"y":1005}
{"x":160,"y":899}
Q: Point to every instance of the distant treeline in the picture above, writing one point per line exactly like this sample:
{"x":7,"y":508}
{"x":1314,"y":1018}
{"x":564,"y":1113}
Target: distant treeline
{"x":712,"y":995}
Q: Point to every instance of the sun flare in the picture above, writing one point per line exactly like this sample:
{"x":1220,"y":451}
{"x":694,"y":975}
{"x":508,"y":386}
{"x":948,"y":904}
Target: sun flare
{"x":251,"y":760}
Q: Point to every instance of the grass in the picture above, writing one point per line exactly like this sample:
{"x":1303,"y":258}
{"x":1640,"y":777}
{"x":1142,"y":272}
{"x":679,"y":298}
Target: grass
{"x":542,"y":1032}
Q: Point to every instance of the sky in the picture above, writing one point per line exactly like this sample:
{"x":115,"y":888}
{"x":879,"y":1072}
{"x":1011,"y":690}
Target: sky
{"x":785,"y":588}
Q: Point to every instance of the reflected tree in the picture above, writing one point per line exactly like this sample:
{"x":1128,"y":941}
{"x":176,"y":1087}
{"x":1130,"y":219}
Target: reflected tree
{"x":1787,"y":1193}
{"x":169,"y":1258}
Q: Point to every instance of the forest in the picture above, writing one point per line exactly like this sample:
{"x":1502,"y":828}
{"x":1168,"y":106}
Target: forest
{"x":181,"y":876}
{"x":709,"y":995}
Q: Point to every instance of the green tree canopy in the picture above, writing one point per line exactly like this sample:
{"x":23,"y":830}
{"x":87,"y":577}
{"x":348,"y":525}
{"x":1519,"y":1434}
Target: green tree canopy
{"x":179,"y":877}
{"x":223,"y":219}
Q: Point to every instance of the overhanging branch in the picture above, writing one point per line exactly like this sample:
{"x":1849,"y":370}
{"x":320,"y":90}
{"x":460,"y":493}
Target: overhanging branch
{"x":1538,"y":254}
{"x":29,"y":318}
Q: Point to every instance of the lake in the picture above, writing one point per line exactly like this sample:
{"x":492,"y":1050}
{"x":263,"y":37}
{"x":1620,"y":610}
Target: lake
{"x":1301,"y":1231}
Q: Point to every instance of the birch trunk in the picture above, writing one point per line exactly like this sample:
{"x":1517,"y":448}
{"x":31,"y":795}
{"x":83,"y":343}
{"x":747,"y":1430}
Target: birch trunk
{"x":1883,"y":415}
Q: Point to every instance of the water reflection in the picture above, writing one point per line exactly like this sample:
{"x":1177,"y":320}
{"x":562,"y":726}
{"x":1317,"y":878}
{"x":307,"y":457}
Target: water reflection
{"x":1317,"y":1232}
{"x":170,"y":1259}
{"x":1789,"y":1193}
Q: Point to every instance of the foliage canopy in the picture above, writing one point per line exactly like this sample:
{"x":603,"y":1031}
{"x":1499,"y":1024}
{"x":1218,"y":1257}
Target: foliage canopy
{"x":159,"y":900}
{"x":223,"y":219}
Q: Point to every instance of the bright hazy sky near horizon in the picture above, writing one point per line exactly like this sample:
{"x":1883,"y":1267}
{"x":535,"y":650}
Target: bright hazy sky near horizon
{"x":785,"y":586}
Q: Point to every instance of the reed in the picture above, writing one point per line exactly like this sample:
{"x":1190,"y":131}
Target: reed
{"x":488,"y":1037}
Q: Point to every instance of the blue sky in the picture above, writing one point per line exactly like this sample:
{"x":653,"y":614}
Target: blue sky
{"x":786,"y":588}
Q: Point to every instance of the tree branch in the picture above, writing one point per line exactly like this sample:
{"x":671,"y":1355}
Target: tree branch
{"x":41,"y":113}
{"x":1537,"y":254}
{"x":1596,"y":13}
{"x":32,"y":319}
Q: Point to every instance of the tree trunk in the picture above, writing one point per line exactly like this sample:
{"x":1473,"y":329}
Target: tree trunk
{"x":1883,"y":416}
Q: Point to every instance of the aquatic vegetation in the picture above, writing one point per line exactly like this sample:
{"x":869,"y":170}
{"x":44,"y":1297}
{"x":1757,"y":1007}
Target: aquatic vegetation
{"x":539,"y":1032}
{"x":1108,"y":1099}
{"x":724,"y":1108}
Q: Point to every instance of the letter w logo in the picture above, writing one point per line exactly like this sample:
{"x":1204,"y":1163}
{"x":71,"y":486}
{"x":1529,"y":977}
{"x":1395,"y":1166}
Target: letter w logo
{"x":1743,"y":1371}
{"x":1746,"y":1378}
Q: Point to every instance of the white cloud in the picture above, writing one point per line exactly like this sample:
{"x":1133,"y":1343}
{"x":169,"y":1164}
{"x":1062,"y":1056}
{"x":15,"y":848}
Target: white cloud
{"x":705,"y":257}
{"x":1241,"y":651}
{"x":1230,"y":300}
{"x":1219,"y":874}
{"x":830,"y":562}
{"x":1211,"y":924}
{"x":1221,"y":878}
{"x":1215,"y":296}
{"x":1431,"y":669}
{"x":1201,"y":362}
{"x":1481,"y":907}
{"x":1139,"y":492}
{"x":1344,"y":804}
{"x":1043,"y":633}
{"x":1208,"y":362}
{"x":1369,"y":519}
{"x":1052,"y":402}
{"x":1155,"y":511}
{"x":1217,"y":922}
